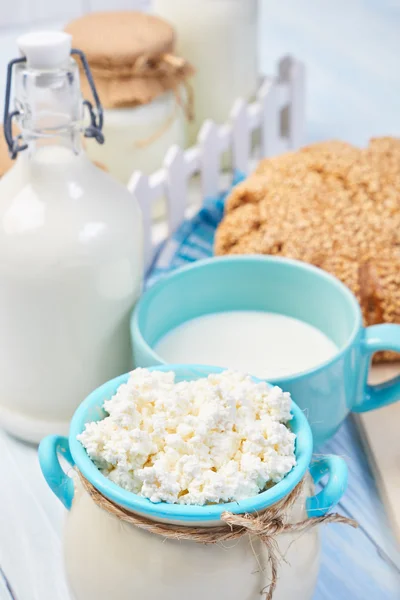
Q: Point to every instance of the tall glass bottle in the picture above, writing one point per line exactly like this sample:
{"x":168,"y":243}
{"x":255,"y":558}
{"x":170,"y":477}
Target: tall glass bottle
{"x":70,"y":251}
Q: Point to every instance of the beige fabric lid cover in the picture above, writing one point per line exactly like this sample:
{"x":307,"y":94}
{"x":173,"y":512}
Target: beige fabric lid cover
{"x":129,"y":54}
{"x":115,"y":38}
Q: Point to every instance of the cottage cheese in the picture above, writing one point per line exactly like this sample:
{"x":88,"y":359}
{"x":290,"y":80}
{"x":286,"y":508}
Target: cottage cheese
{"x":215,"y":439}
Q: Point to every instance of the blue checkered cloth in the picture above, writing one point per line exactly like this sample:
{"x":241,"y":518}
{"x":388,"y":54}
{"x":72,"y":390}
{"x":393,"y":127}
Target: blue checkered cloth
{"x":193,"y":240}
{"x":362,"y":564}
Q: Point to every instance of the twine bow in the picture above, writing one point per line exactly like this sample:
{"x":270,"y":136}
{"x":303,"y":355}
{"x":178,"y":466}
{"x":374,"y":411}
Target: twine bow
{"x":266,"y":525}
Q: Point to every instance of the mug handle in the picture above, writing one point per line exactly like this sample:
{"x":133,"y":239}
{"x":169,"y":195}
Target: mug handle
{"x":378,"y":338}
{"x":59,"y":482}
{"x":321,"y":503}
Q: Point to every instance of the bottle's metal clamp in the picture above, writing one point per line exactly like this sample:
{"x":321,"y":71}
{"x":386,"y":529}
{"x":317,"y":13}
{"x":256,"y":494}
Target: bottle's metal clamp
{"x":94,"y":130}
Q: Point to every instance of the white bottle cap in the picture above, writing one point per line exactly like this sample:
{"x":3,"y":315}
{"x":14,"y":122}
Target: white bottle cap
{"x":45,"y":49}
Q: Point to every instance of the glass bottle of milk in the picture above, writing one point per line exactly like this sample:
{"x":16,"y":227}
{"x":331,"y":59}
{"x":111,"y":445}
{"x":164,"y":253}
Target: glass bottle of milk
{"x":70,"y":250}
{"x":219,"y":38}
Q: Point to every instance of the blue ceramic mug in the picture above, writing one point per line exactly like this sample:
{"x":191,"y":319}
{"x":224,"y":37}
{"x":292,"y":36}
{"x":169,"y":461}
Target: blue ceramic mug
{"x":328,"y":392}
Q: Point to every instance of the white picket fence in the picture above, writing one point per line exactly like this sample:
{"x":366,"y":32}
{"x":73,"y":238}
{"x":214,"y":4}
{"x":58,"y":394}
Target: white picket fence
{"x":278,"y":114}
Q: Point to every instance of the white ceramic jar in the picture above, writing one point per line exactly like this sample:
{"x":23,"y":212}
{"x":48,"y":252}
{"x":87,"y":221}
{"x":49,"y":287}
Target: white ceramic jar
{"x":138,"y":138}
{"x":219,"y":38}
{"x":107,"y":558}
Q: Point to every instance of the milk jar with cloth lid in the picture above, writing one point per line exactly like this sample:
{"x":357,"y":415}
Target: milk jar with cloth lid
{"x":141,"y":84}
{"x":70,"y":247}
{"x":122,"y":544}
{"x":219,"y":38}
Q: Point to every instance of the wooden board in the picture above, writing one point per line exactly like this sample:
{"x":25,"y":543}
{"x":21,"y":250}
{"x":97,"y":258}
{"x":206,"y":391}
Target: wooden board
{"x":380,"y":432}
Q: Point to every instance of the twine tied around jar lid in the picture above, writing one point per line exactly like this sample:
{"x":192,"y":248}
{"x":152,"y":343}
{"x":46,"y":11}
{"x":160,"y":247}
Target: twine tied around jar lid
{"x":144,"y":81}
{"x":266,"y":525}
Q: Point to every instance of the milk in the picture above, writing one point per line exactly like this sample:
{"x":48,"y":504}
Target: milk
{"x":70,"y":271}
{"x":267,"y":345}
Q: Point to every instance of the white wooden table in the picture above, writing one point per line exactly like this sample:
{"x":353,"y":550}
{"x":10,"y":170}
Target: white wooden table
{"x":30,"y":527}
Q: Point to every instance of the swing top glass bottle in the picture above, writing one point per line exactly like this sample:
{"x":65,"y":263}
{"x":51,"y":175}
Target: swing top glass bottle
{"x":71,"y":258}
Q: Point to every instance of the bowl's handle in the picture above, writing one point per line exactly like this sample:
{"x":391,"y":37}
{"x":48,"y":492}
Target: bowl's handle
{"x":59,"y":482}
{"x":320,"y":504}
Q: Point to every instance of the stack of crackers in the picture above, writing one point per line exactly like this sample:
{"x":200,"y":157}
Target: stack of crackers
{"x":330,"y":204}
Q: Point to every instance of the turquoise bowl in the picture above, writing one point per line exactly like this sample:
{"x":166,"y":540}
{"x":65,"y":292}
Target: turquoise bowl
{"x":328,"y":392}
{"x":91,"y":409}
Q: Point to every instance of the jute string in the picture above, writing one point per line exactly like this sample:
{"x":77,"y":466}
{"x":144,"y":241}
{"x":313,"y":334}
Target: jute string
{"x":141,"y":82}
{"x":266,"y":525}
{"x":164,"y":65}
